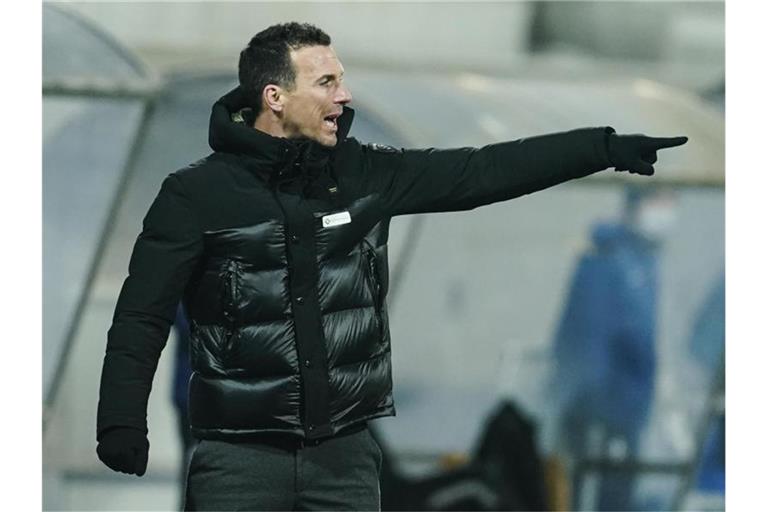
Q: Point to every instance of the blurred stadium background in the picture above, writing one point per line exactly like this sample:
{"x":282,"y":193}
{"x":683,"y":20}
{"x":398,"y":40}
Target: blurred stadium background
{"x":476,"y":297}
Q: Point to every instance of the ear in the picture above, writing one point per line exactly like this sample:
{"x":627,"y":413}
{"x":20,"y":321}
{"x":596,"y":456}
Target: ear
{"x":273,"y":98}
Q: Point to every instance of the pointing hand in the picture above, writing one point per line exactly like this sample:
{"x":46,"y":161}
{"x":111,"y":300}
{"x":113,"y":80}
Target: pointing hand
{"x":637,"y":153}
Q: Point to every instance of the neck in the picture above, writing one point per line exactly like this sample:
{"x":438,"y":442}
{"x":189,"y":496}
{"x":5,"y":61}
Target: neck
{"x":268,"y":122}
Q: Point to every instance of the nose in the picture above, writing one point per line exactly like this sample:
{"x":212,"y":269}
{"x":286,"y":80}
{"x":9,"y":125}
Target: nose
{"x":343,"y":95}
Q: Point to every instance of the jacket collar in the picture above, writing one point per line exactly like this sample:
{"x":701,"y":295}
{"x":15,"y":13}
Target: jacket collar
{"x":274,"y":155}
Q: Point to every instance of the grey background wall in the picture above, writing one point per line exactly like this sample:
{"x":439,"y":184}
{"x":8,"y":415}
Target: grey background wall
{"x":687,"y":39}
{"x":382,"y":33}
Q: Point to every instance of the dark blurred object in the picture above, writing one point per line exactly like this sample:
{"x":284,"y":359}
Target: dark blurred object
{"x":504,"y":473}
{"x":510,"y":460}
{"x":716,"y":95}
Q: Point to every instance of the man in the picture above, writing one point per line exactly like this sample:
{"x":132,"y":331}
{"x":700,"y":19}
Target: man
{"x":276,"y":244}
{"x":605,"y":346}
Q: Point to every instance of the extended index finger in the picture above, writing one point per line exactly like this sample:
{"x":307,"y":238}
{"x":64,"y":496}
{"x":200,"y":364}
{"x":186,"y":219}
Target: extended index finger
{"x":668,"y":142}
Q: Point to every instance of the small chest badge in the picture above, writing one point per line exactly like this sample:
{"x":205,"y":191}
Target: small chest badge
{"x":336,"y":219}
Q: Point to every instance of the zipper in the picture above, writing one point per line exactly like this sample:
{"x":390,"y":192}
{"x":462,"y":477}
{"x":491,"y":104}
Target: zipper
{"x":371,"y":277}
{"x":233,"y":276}
{"x":230,"y":298}
{"x":230,"y":287}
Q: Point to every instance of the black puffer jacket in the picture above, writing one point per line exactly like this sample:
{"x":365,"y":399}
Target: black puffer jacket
{"x":279,"y":250}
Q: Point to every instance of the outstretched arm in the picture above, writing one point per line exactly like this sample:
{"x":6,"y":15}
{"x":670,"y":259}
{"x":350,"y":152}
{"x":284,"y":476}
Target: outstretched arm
{"x":433,"y":180}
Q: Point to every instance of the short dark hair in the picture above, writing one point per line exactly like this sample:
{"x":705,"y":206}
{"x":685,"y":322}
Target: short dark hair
{"x":266,"y":59}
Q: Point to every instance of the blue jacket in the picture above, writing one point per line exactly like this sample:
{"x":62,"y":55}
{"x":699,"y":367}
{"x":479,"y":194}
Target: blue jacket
{"x":707,"y":346}
{"x":604,"y":346}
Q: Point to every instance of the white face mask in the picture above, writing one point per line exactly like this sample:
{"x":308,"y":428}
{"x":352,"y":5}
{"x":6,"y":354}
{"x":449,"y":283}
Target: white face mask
{"x":655,"y":220}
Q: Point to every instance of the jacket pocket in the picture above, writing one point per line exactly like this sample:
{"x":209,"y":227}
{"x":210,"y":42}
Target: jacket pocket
{"x":374,"y":284}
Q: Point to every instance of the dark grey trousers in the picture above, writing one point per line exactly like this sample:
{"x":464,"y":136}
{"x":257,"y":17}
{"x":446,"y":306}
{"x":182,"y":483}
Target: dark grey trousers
{"x":341,"y":473}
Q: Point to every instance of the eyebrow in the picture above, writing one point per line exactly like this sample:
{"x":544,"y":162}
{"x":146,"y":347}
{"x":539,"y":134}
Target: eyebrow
{"x":329,"y":76}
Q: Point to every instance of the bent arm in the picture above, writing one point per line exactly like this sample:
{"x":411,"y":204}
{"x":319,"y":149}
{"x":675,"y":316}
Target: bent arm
{"x":163,"y":258}
{"x":433,"y":180}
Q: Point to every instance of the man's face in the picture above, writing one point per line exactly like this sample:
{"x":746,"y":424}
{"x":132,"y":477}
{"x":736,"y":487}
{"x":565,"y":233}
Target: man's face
{"x":312,"y":107}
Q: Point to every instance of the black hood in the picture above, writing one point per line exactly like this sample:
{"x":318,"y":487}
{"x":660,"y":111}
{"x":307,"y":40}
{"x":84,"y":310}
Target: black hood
{"x":231,"y":131}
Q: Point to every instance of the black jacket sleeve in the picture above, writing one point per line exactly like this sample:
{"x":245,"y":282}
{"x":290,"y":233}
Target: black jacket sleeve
{"x":163,"y":258}
{"x":432,"y":180}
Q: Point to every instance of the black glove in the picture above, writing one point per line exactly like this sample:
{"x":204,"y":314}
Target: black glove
{"x":636,"y":153}
{"x":124,"y":449}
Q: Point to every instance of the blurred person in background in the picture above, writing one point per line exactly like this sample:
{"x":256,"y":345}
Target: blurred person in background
{"x":276,"y":244}
{"x":707,"y":347}
{"x":605,"y":355}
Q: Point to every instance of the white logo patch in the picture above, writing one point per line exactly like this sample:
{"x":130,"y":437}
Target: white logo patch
{"x":336,"y":219}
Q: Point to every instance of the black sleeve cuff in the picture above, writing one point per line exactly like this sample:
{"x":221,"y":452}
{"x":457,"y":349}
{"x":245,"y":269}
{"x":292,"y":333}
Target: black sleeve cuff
{"x":608,"y":130}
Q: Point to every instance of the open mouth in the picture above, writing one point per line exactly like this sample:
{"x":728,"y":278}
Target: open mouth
{"x":330,"y":121}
